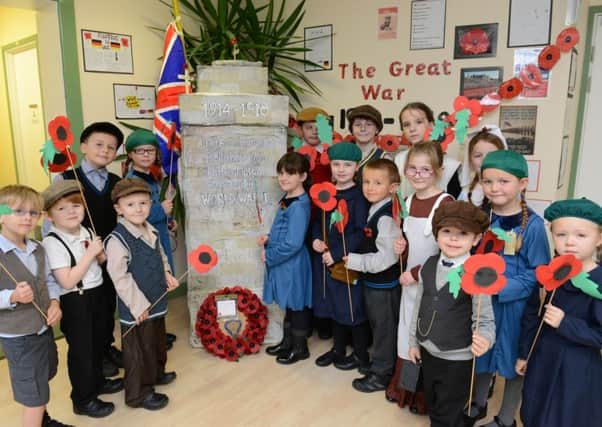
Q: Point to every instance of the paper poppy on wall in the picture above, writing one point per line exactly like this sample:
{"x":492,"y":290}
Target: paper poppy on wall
{"x":530,"y":75}
{"x":483,"y":274}
{"x":567,"y":39}
{"x":489,"y":243}
{"x":311,"y":154}
{"x":475,"y":42}
{"x":61,"y":161}
{"x":323,"y":195}
{"x":490,"y":102}
{"x":558,"y":271}
{"x":510,"y":88}
{"x":548,"y":57}
{"x":203,"y":259}
{"x":389,"y":143}
{"x":59,"y":130}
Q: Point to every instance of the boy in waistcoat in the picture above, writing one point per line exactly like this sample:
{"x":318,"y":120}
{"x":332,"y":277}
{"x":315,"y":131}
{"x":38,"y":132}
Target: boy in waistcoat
{"x":140,"y":271}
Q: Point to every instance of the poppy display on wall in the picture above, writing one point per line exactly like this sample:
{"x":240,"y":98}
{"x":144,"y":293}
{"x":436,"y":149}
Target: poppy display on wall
{"x":475,"y":41}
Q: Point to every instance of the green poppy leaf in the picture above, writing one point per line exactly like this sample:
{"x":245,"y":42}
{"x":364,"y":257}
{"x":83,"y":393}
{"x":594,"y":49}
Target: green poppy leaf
{"x":501,"y":234}
{"x":335,"y":217}
{"x":324,"y":129}
{"x":454,"y":278}
{"x":297,"y":142}
{"x":461,"y":125}
{"x":586,"y":285}
{"x":5,"y":210}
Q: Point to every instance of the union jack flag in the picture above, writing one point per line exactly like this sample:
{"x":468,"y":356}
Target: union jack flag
{"x":172,"y":83}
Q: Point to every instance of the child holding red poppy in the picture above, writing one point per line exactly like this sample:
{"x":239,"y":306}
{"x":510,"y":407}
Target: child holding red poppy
{"x":415,"y":118}
{"x":563,"y":376}
{"x":422,"y":169}
{"x":287,"y":280}
{"x":488,"y":138}
{"x":444,"y":318}
{"x":140,"y":271}
{"x":334,"y":302}
{"x":379,"y":272}
{"x":504,"y":177}
{"x":306,"y":119}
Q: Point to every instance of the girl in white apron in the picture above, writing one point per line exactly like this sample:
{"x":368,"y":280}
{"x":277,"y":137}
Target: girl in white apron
{"x":422,"y":169}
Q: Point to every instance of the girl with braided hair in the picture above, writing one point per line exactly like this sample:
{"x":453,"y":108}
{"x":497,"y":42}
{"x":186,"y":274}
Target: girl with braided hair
{"x":504,"y":177}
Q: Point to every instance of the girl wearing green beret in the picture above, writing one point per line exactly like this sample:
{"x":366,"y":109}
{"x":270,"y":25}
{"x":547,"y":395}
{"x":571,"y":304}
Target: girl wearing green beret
{"x":563,"y":375}
{"x":504,"y":177}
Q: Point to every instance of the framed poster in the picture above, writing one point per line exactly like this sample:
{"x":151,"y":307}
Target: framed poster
{"x":529,"y":22}
{"x":518,"y":124}
{"x":107,"y":52}
{"x":387,"y":23}
{"x":475,"y":83}
{"x":319,"y":42}
{"x":134,"y":101}
{"x":475,"y":41}
{"x":427,"y":28}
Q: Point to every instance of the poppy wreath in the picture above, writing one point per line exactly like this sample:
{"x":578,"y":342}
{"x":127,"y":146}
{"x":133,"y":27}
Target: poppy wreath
{"x":224,"y":342}
{"x":483,"y":274}
{"x":489,"y":243}
{"x":59,"y":130}
{"x":323,"y":195}
{"x":558,"y":271}
{"x":474,"y":42}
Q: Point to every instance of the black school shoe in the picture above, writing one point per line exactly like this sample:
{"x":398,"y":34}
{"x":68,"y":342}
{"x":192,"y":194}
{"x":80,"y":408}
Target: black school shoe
{"x":325,"y":359}
{"x":346,"y":363}
{"x":370,"y":383}
{"x":170,"y":338}
{"x":154,"y":401}
{"x":95,"y":408}
{"x":498,"y":423}
{"x":49,"y":422}
{"x":476,"y":413}
{"x":111,"y":386}
{"x":166,"y":378}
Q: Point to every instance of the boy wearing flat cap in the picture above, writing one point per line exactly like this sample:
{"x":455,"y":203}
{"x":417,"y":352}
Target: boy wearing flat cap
{"x":140,"y":271}
{"x":74,"y":255}
{"x":306,"y":119}
{"x":441,"y":331}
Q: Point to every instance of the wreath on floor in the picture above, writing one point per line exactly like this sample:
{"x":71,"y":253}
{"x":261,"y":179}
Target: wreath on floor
{"x":239,"y":331}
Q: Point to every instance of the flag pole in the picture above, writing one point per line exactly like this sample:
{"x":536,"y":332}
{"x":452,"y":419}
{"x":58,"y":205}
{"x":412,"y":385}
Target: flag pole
{"x":180,"y":28}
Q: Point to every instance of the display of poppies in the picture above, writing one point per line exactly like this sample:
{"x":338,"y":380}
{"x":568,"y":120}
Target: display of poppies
{"x":483,"y":274}
{"x":548,"y":57}
{"x":231,"y":343}
{"x":323,"y":195}
{"x":567,"y":39}
{"x":558,"y":271}
{"x":530,"y":75}
{"x":59,"y":130}
{"x":489,"y":243}
{"x":203,"y":259}
{"x":490,"y":102}
{"x":510,"y":88}
{"x":474,"y":42}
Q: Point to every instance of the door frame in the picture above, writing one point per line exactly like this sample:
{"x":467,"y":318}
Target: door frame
{"x":592,"y":12}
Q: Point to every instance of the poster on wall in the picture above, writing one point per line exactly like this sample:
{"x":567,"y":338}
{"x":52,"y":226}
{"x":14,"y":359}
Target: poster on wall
{"x":427,"y":28}
{"x":475,"y":83}
{"x":518,"y":124}
{"x":536,"y":81}
{"x":319,"y":42}
{"x":529,"y":23}
{"x":475,"y":41}
{"x":387,"y":23}
{"x":134,"y":101}
{"x":107,"y":52}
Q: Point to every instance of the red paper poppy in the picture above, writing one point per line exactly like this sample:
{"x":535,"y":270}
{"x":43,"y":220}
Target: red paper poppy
{"x":311,"y":154}
{"x":567,"y":39}
{"x":447,"y":138}
{"x":489,"y":243}
{"x":342,"y":208}
{"x":59,"y":129}
{"x":324,"y":160}
{"x":462,"y":102}
{"x":323,"y":195}
{"x":389,"y":143}
{"x":483,"y":274}
{"x":548,"y":57}
{"x":530,"y":75}
{"x":475,"y":42}
{"x":203,"y":258}
{"x":61,"y":161}
{"x":368,"y":232}
{"x":349,"y":138}
{"x":558,"y":271}
{"x":336,"y":137}
{"x":510,"y":88}
{"x":490,"y":102}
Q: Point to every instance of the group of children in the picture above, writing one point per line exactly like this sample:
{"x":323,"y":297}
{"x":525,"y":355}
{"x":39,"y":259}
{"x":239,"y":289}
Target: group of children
{"x":380,"y":286}
{"x":423,"y":336}
{"x":105,"y":247}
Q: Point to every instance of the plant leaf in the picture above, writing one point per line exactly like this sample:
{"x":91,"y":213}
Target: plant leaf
{"x":586,"y":285}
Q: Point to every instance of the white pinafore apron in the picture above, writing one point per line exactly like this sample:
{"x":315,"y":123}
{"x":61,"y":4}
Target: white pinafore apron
{"x":422,"y":245}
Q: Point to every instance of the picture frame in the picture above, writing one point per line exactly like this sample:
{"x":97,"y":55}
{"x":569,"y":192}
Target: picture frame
{"x":477,"y":82}
{"x":518,"y":124}
{"x":529,"y":23}
{"x":318,"y":40}
{"x":107,"y":52}
{"x":134,"y":101}
{"x":475,"y":41}
{"x":427,"y":24}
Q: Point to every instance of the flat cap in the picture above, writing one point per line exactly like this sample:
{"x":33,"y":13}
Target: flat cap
{"x":57,"y":190}
{"x":462,"y":215}
{"x":128,"y":186}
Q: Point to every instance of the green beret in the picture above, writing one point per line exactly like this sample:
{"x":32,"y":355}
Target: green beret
{"x":508,"y":161}
{"x":576,"y":208}
{"x":140,"y":137}
{"x":345,"y":151}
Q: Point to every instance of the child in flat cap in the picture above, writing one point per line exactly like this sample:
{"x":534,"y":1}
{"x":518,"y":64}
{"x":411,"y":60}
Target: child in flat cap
{"x":74,"y":256}
{"x":563,"y":376}
{"x":442,"y":325}
{"x":139,"y":268}
{"x":306,"y":119}
{"x":504,"y":177}
{"x":331,"y":299}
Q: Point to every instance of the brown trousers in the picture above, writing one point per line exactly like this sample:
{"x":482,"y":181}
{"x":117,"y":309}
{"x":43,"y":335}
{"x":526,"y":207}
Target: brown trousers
{"x":144,"y":358}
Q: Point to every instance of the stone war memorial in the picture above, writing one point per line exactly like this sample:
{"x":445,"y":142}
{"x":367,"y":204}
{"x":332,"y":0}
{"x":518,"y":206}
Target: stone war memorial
{"x":233,"y":134}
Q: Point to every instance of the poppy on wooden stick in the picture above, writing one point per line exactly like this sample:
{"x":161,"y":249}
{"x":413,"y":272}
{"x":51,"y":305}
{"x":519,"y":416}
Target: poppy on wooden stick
{"x":59,"y":130}
{"x":558,"y":271}
{"x":483,"y":274}
{"x":323,"y":195}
